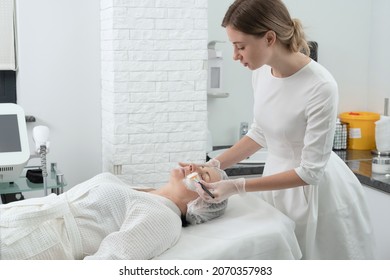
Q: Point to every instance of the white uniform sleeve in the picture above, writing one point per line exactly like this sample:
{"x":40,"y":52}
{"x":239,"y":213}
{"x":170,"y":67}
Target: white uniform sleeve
{"x":256,"y":132}
{"x":146,"y":233}
{"x":257,"y":135}
{"x":321,"y":115}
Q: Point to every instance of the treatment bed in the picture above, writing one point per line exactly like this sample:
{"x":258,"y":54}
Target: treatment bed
{"x":249,"y":229}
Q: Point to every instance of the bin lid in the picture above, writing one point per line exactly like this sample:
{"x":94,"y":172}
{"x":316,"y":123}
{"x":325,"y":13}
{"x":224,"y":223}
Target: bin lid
{"x":364,"y":116}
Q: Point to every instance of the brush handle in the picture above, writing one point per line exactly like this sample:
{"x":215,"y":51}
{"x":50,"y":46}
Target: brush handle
{"x":206,"y":190}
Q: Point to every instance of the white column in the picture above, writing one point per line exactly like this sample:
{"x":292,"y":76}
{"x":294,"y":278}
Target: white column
{"x":154,"y":102}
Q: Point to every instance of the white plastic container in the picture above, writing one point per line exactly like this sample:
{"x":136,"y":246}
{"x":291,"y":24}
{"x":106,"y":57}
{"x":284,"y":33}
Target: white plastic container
{"x":382,"y":134}
{"x":381,"y":165}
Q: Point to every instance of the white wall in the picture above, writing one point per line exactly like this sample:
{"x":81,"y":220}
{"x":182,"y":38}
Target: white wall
{"x":59,"y":80}
{"x":379,"y":56}
{"x":154,"y":87}
{"x":352,"y":46}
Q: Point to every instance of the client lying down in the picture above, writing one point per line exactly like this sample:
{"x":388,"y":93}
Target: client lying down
{"x":104,"y":218}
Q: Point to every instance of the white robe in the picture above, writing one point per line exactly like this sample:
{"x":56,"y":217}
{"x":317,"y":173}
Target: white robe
{"x":294,"y":118}
{"x":102,"y":218}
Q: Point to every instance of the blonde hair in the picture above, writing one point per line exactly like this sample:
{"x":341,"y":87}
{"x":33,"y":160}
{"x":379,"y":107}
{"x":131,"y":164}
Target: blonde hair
{"x":257,"y":17}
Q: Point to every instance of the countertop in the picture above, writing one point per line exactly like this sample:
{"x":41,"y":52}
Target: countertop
{"x":358,"y":161}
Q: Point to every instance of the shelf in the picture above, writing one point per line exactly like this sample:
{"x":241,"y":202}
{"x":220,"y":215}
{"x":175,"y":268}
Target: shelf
{"x":22,"y":184}
{"x":218,"y":94}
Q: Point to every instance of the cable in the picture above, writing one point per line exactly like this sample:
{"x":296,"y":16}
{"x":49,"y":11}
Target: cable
{"x":42,"y":153}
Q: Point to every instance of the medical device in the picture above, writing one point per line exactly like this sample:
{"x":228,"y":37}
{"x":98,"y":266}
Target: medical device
{"x":41,"y":137}
{"x":14,"y":146}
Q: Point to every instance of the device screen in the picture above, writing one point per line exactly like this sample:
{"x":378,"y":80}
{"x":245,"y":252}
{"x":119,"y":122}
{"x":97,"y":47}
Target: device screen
{"x":9,"y":134}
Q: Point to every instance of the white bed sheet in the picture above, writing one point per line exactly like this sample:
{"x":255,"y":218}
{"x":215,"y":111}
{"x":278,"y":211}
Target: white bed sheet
{"x":249,"y":229}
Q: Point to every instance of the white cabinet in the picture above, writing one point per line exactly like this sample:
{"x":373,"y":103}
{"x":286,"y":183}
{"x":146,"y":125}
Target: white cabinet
{"x":379,"y":207}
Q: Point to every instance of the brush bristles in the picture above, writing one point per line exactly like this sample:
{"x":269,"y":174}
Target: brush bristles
{"x":192,"y":176}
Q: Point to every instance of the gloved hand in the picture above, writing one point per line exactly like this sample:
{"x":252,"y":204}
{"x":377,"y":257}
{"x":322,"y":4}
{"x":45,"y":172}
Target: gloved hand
{"x":212,"y":162}
{"x":222,"y":189}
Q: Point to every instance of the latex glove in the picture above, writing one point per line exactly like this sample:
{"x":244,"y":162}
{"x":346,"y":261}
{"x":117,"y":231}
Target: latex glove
{"x":214,"y":163}
{"x":222,"y":189}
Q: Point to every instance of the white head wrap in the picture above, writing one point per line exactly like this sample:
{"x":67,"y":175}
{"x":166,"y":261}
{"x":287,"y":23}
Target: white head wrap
{"x":200,"y":211}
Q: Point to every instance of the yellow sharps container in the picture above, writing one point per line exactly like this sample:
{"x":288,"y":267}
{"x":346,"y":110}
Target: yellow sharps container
{"x":361,"y":129}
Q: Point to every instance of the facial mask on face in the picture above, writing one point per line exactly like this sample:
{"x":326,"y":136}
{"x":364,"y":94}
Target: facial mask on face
{"x":190,"y":184}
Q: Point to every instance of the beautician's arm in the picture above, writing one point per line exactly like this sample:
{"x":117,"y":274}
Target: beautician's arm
{"x":240,"y":151}
{"x":225,"y":188}
{"x":283,"y":180}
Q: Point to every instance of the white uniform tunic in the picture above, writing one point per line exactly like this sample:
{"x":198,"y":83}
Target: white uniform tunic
{"x":294,"y":118}
{"x":102,"y":218}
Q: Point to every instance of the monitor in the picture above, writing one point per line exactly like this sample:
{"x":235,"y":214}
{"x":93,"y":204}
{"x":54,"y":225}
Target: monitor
{"x":14,"y":146}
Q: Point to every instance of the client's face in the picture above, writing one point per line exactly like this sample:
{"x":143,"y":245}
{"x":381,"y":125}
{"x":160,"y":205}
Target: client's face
{"x":206,"y":173}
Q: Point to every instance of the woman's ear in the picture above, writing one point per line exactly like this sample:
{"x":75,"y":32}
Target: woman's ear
{"x":270,"y":37}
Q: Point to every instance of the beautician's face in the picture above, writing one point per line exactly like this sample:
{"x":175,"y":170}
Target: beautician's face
{"x":253,"y":52}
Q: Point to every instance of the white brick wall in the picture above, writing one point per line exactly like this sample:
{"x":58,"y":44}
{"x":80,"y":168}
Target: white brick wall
{"x":154,"y":102}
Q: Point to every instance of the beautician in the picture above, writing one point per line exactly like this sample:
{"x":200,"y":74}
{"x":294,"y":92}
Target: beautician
{"x":295,"y":109}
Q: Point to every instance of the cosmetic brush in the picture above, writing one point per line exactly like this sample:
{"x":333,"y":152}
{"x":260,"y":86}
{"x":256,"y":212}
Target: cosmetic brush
{"x":194,"y":176}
